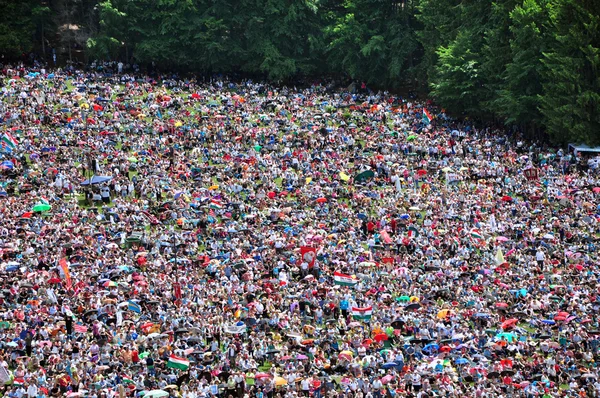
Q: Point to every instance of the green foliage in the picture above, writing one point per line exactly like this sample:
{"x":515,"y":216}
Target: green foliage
{"x":16,"y":27}
{"x":519,"y":101}
{"x":570,"y":102}
{"x":529,"y":63}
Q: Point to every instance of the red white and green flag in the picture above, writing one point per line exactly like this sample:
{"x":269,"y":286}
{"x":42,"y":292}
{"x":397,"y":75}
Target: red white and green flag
{"x":363,"y":314}
{"x":344,"y":280}
{"x":476,"y":234}
{"x":215,"y":204}
{"x":178,"y":363}
{"x":8,"y":140}
{"x":427,"y":118}
{"x":18,"y":382}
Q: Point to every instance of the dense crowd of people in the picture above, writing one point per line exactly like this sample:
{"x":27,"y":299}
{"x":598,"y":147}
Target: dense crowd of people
{"x":175,"y":237}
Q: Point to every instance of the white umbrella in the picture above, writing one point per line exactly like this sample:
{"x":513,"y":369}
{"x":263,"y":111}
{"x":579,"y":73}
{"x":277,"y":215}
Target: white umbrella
{"x":156,"y":393}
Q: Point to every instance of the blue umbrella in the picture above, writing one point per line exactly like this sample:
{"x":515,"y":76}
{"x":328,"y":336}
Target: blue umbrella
{"x":549,"y":322}
{"x":389,"y":365}
{"x":404,"y":216}
{"x":482,"y":315}
{"x":361,"y":216}
{"x":7,"y":164}
{"x":431,"y":347}
{"x":461,"y":361}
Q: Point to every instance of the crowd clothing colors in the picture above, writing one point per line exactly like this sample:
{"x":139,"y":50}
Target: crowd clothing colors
{"x":172,"y":237}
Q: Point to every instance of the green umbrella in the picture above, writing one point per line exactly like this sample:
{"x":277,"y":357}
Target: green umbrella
{"x":411,"y":138}
{"x":365,"y":175}
{"x":144,"y":354}
{"x":41,"y":207}
{"x":403,"y":299}
{"x":257,"y":148}
{"x":132,"y":159}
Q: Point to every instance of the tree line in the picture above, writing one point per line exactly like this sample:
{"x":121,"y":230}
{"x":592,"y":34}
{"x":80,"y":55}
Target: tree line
{"x":532,"y":64}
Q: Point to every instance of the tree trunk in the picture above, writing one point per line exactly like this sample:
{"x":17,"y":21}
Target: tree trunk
{"x":43,"y":42}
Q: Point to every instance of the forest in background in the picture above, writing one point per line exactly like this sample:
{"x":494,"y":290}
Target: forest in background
{"x":532,"y":64}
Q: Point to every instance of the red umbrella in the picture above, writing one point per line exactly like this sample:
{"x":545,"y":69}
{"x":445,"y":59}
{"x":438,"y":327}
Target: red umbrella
{"x":446,"y":348}
{"x":501,"y":305}
{"x":421,"y":172}
{"x":509,"y":323}
{"x":321,"y":200}
{"x":54,"y":281}
{"x":260,"y":376}
{"x":367,"y":342}
{"x":596,"y":189}
{"x":381,"y":337}
{"x":506,"y":198}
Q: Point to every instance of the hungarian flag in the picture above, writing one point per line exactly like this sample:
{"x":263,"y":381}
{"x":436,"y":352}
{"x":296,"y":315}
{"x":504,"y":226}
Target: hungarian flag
{"x":178,"y":363}
{"x":8,"y":141}
{"x":426,"y":116}
{"x":127,"y":379}
{"x":344,"y":280}
{"x":413,"y":232}
{"x":18,"y":382}
{"x":363,"y":314}
{"x":215,"y":204}
{"x":476,"y":234}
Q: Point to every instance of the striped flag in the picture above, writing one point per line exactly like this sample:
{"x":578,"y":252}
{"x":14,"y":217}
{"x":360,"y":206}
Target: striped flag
{"x":413,"y":232}
{"x":19,"y":382}
{"x":344,"y":280}
{"x":127,"y":379}
{"x":476,"y":234}
{"x":78,"y":328}
{"x":178,"y":363}
{"x":65,"y":269}
{"x":4,"y":375}
{"x":133,"y":306}
{"x":363,"y":314}
{"x":215,"y":204}
{"x":8,"y":141}
{"x":427,"y":116}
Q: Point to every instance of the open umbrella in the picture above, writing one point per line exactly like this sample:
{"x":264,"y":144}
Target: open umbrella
{"x":155,"y":393}
{"x":430,"y":348}
{"x":41,"y":207}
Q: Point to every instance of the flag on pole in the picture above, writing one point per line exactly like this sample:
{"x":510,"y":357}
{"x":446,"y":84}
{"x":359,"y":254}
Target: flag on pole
{"x":8,"y":141}
{"x":19,"y":382}
{"x":344,"y":280}
{"x":426,"y":116}
{"x":178,"y":363}
{"x":65,"y":269}
{"x":363,"y":314}
{"x":133,"y":306}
